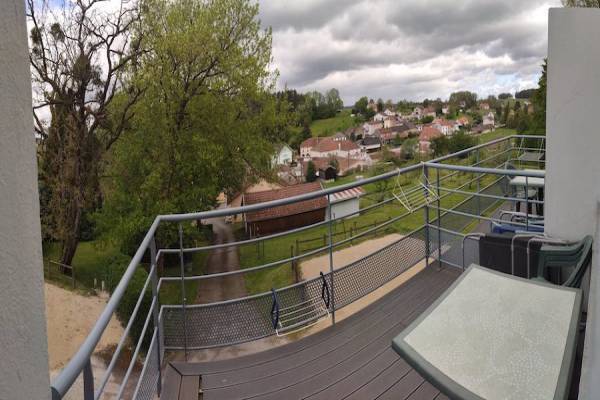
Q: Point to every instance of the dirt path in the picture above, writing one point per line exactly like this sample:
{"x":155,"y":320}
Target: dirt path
{"x":222,"y":260}
{"x":311,"y":268}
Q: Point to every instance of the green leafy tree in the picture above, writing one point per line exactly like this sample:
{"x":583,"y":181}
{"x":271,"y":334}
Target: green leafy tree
{"x":461,"y":141}
{"x":408,"y":149}
{"x":207,"y":120}
{"x":505,"y":96}
{"x":360,"y":107}
{"x":380,"y":105}
{"x":311,"y":172}
{"x":440,"y":145}
{"x":427,"y":119}
{"x":582,"y":3}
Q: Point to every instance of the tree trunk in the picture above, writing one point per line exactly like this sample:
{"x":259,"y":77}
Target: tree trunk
{"x":71,"y":240}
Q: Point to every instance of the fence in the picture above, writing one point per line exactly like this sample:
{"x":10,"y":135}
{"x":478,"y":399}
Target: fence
{"x":464,"y":189}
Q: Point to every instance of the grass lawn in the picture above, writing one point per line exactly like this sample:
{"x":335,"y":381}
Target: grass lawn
{"x":329,"y":126}
{"x":94,"y":260}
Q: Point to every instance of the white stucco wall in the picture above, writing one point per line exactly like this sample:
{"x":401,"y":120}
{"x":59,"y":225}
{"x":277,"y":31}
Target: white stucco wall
{"x":343,"y":208}
{"x":23,"y":342}
{"x":573,"y":134}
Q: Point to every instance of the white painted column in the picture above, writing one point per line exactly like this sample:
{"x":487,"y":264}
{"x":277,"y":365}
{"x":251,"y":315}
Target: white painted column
{"x":573,"y":122}
{"x":23,"y":339}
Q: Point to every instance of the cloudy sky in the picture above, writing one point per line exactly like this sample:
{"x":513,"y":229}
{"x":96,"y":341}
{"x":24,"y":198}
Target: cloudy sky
{"x":401,"y":49}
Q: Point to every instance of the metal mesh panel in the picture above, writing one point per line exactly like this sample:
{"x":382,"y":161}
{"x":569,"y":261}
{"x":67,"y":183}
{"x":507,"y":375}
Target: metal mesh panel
{"x":242,"y":320}
{"x":363,"y":276}
{"x":148,"y":380}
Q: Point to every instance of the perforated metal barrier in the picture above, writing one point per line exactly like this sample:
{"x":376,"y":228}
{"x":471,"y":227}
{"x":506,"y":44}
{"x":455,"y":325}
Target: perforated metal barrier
{"x":242,"y":320}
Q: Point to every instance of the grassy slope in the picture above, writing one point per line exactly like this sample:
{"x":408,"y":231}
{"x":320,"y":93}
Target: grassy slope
{"x":329,"y":126}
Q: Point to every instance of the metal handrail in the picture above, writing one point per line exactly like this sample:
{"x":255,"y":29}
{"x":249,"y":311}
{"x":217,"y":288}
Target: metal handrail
{"x":81,"y":360}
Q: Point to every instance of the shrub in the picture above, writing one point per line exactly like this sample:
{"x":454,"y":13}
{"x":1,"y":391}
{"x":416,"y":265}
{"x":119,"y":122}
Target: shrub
{"x":126,"y":306}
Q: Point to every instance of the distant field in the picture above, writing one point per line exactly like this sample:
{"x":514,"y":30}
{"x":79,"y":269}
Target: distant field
{"x":329,"y":126}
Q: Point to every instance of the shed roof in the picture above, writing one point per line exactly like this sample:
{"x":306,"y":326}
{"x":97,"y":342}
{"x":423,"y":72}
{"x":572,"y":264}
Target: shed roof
{"x":288,"y":209}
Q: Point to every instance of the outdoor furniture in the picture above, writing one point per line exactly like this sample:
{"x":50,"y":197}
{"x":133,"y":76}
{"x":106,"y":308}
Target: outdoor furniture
{"x":507,"y":252}
{"x":534,"y":187}
{"x":510,"y":188}
{"x":497,"y":227}
{"x":489,"y":336}
{"x":554,"y":262}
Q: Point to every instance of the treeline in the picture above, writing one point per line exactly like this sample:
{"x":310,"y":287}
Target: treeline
{"x":304,"y":108}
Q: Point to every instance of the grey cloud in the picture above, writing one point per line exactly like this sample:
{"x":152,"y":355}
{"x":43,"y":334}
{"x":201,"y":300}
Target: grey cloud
{"x":317,"y":40}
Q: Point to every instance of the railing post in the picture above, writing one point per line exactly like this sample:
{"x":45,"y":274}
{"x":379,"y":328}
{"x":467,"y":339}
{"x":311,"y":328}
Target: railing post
{"x":183,"y":298}
{"x":426,"y":211}
{"x":88,"y":381}
{"x":478,"y":185}
{"x":439,"y":218}
{"x":527,"y":203}
{"x":331,"y":258}
{"x":155,"y":313}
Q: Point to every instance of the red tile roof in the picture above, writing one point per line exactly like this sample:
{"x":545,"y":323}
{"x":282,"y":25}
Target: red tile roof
{"x":284,"y":193}
{"x":429,"y":133}
{"x":327,"y":144}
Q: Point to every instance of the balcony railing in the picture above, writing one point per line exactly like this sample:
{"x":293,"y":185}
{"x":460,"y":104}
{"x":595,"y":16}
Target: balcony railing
{"x":434,"y":214}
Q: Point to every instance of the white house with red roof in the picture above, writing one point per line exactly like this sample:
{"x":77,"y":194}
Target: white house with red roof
{"x":447,"y":127}
{"x":327,"y":147}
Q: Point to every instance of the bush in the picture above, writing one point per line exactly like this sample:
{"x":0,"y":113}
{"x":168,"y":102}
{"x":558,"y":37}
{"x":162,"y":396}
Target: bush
{"x":125,"y":308}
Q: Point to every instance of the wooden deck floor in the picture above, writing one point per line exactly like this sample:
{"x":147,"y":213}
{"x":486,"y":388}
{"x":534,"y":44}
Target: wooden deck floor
{"x":352,"y":360}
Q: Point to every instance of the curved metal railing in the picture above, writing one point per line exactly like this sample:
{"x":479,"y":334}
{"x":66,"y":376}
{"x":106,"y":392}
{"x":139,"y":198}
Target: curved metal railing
{"x":81,"y":363}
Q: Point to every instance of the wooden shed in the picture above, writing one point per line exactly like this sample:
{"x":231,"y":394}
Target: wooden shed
{"x":283,"y":218}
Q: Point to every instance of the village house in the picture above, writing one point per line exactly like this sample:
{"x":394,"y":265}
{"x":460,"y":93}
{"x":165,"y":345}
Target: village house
{"x":370,"y":144}
{"x":390,"y":113}
{"x":371,"y":126}
{"x":344,"y":165}
{"x":387,"y":135}
{"x":484,"y":106}
{"x":391,"y":121}
{"x":417,"y":113}
{"x":283,"y":155}
{"x":429,"y":112}
{"x":328,"y":146}
{"x":489,"y":120}
{"x":447,"y":127}
{"x":372,"y":106}
{"x":379,"y":117}
{"x":462,"y":122}
{"x":445,"y":110}
{"x":428,"y":133}
{"x":283,"y":218}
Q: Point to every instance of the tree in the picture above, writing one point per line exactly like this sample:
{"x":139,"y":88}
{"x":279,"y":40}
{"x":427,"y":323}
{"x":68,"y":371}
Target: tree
{"x":207,"y":121}
{"x":361,"y":106}
{"x":466,"y":97}
{"x":461,"y":141}
{"x":380,"y":105}
{"x":582,"y":3}
{"x":311,"y":172}
{"x":80,"y":55}
{"x":505,"y":96}
{"x":538,"y":120}
{"x":427,"y":119}
{"x":408,"y":149}
{"x":524,"y":94}
{"x":440,"y":145}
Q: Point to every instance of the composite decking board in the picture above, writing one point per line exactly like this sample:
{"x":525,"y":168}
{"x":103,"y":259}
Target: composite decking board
{"x":362,"y":364}
{"x":189,"y":387}
{"x":376,"y":326}
{"x":351,"y":383}
{"x":347,"y":358}
{"x":425,"y":392}
{"x":404,"y":387}
{"x":172,"y":382}
{"x":342,"y":328}
{"x":382,"y":383}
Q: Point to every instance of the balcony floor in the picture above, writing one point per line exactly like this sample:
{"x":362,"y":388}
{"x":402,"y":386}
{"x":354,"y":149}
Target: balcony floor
{"x":352,"y":360}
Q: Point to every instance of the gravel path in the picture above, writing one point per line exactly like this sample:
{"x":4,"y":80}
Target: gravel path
{"x":222,"y":260}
